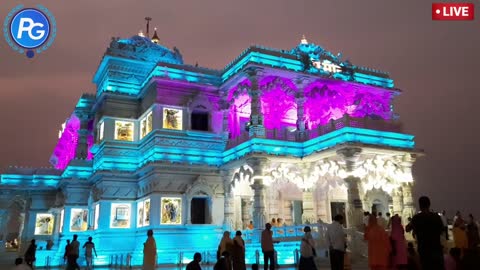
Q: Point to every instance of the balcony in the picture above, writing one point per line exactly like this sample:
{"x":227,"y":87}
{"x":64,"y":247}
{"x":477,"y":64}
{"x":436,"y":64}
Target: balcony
{"x":346,"y":121}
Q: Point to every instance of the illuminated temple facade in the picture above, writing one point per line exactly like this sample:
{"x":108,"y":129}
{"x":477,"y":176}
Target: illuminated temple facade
{"x":187,"y":151}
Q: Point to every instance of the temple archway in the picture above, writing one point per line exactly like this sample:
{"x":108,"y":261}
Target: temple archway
{"x":199,"y":202}
{"x":279,"y":108}
{"x":243,"y":196}
{"x":16,"y":216}
{"x":377,"y":201}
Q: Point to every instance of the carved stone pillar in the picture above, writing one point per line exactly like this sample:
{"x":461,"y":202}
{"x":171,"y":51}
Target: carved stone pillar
{"x":225,"y":113}
{"x":56,"y":226}
{"x":397,"y":198}
{"x":287,"y":212}
{"x":256,"y":128}
{"x":259,"y":211}
{"x":355,"y":208}
{"x":3,"y":228}
{"x":351,"y":156}
{"x":188,"y":119}
{"x":408,"y":204}
{"x":229,"y":211}
{"x":308,"y":216}
{"x":24,"y":233}
{"x":300,"y":100}
{"x":246,"y":211}
{"x":273,"y":198}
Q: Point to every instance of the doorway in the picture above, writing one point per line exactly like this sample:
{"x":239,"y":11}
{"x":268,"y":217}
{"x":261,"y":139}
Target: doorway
{"x":338,"y":208}
{"x":377,"y":207}
{"x":297,"y":212}
{"x":198,"y":210}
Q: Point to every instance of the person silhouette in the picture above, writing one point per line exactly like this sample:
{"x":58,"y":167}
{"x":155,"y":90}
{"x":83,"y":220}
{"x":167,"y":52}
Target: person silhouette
{"x":428,"y":228}
{"x":149,"y":252}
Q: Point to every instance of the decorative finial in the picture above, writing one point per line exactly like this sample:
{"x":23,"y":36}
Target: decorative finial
{"x":304,"y":40}
{"x":140,"y":34}
{"x":155,"y":38}
{"x":148,"y":19}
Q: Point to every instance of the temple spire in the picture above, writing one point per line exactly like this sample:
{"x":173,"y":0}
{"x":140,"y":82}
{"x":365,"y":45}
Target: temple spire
{"x":303,"y":40}
{"x":148,"y":19}
{"x":155,"y":38}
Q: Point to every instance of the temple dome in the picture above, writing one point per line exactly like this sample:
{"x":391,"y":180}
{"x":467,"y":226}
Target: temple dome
{"x":142,"y":48}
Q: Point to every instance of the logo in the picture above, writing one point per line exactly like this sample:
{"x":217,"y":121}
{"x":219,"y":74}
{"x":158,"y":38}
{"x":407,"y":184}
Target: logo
{"x":30,"y":30}
{"x":452,"y":11}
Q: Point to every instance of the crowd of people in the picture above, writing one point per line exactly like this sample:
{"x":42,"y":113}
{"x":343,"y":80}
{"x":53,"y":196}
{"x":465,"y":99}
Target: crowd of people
{"x":70,"y":257}
{"x":388,"y":246}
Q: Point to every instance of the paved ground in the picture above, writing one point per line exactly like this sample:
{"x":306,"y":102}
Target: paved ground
{"x":354,"y":267}
{"x":321,"y":266}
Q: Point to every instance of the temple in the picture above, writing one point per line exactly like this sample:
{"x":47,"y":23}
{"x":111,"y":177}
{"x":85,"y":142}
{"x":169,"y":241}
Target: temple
{"x":295,"y":135}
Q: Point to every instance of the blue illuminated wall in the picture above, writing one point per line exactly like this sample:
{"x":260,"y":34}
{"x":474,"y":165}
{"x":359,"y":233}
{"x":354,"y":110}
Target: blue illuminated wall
{"x":137,"y":77}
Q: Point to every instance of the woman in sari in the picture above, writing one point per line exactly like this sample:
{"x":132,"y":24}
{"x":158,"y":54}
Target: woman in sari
{"x":472,"y":233}
{"x":378,"y":245}
{"x":399,"y":246}
{"x":226,"y":245}
{"x":149,"y":252}
{"x":459,"y":233}
{"x":238,"y":252}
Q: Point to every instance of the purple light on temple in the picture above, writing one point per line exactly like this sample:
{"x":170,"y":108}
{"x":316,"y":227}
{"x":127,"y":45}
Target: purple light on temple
{"x":67,"y":144}
{"x":278,"y":103}
{"x":239,"y":113}
{"x":325,"y":102}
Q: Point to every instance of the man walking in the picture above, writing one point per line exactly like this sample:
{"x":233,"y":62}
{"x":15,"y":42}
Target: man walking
{"x":267,"y":247}
{"x":89,"y":247}
{"x":74,"y":254}
{"x":428,"y":228}
{"x":337,"y":243}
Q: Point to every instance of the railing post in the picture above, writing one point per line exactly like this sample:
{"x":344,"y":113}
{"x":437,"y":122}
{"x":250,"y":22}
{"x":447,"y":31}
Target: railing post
{"x":275,"y":258}
{"x":129,"y":261}
{"x":180,"y":258}
{"x":295,"y":256}
{"x":257,"y":257}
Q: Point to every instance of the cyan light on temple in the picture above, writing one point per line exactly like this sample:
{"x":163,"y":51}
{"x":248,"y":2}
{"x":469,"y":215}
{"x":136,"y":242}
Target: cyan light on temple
{"x":132,"y":146}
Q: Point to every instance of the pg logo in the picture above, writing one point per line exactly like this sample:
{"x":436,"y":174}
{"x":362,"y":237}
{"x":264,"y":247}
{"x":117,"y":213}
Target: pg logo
{"x":30,"y":29}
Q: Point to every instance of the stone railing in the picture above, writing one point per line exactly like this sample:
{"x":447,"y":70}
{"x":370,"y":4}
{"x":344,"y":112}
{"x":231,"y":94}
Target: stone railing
{"x":346,"y":121}
{"x":286,"y":233}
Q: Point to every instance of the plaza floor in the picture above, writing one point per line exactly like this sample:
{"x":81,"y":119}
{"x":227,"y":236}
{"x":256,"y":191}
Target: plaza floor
{"x":208,"y":267}
{"x":323,"y":265}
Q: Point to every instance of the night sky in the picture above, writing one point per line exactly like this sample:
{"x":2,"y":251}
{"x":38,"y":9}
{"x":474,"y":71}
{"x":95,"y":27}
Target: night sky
{"x":433,"y":62}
